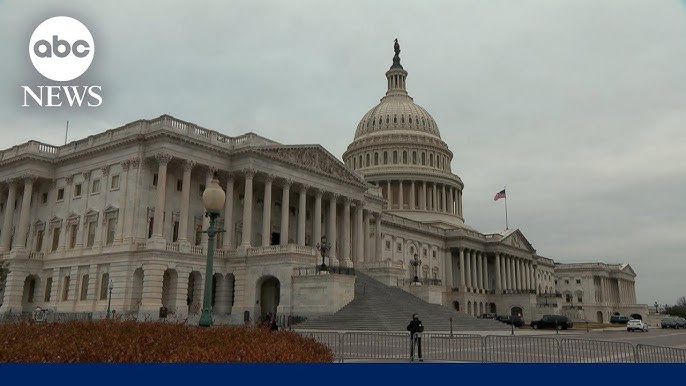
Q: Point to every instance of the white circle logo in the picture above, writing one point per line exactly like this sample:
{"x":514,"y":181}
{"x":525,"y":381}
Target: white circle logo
{"x":61,"y":48}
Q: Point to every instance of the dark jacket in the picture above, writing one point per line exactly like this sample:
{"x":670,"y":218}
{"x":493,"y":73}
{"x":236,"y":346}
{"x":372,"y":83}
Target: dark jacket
{"x":415,"y":326}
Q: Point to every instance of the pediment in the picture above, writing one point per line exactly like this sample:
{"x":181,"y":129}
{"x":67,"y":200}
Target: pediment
{"x":515,"y":238}
{"x":110,"y":208}
{"x":314,"y":158}
{"x":626,"y":268}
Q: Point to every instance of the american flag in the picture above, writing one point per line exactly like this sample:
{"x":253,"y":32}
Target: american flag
{"x":499,"y":195}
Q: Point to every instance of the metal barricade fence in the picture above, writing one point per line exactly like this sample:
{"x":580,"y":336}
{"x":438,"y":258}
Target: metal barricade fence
{"x":596,"y":351}
{"x":492,"y":348}
{"x":375,"y":345}
{"x":659,"y":354}
{"x":521,"y":349}
{"x":452,"y":347}
{"x":331,"y":339}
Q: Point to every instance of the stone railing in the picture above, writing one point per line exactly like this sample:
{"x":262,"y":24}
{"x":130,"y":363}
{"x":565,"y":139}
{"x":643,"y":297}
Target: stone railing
{"x":141,"y":246}
{"x":393,"y":219}
{"x":461,"y":232}
{"x":36,"y":256}
{"x":173,"y":247}
{"x":281,"y":249}
{"x":164,"y":123}
{"x":197,"y":249}
{"x":383,"y":264}
{"x":225,"y":252}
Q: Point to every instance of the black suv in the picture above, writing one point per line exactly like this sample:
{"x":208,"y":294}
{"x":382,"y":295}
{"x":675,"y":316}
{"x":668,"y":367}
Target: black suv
{"x":559,"y":322}
{"x":490,"y":315}
{"x":618,"y":319}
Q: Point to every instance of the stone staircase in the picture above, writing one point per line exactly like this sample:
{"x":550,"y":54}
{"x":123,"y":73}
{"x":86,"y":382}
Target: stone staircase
{"x":378,"y":307}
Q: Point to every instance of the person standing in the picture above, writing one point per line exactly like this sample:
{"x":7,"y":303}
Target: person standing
{"x":415,"y":328}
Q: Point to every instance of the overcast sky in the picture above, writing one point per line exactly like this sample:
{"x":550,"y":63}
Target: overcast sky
{"x":578,"y":107}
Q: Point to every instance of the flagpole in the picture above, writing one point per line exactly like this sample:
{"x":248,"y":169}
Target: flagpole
{"x":66,"y":132}
{"x":506,"y":225}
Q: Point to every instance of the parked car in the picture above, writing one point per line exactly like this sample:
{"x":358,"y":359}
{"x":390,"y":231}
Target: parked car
{"x":669,"y":323}
{"x":619,"y":319}
{"x":559,"y":322}
{"x":490,"y":315}
{"x":514,"y":320}
{"x":636,"y":325}
{"x":681,"y":322}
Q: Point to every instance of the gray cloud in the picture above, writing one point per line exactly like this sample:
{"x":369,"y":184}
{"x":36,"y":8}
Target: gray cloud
{"x":575,"y":106}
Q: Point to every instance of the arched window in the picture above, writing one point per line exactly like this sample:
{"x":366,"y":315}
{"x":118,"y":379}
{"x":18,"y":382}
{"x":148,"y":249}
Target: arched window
{"x":360,"y":160}
{"x":354,"y":163}
{"x":410,"y":119}
{"x":424,"y":159}
{"x":385,"y":158}
{"x":388,"y":119}
{"x":376,"y":158}
{"x":402,"y":119}
{"x":395,"y":119}
{"x":405,"y":156}
{"x":367,"y":159}
{"x":395,"y":157}
{"x":414,"y":157}
{"x":431,"y":160}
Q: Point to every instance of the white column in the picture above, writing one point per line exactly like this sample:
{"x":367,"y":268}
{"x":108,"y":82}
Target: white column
{"x":185,"y":201}
{"x":377,"y":234}
{"x":484,"y":261}
{"x":345,"y":249}
{"x":302,"y":211}
{"x":317,"y":218}
{"x":448,"y":256}
{"x":365,"y":239}
{"x":332,"y":232}
{"x":475,"y":277}
{"x":468,"y":273}
{"x":9,"y":213}
{"x":480,"y":270}
{"x":163,"y":159}
{"x":401,"y":203}
{"x":267,"y":211}
{"x":247,"y":208}
{"x":445,"y":201}
{"x":498,"y":276}
{"x":228,"y":213}
{"x":359,"y":232}
{"x":435,"y":207}
{"x":422,"y":198}
{"x":463,"y":269}
{"x":389,"y":195}
{"x":123,"y":204}
{"x":20,"y":239}
{"x":412,"y":197}
{"x":459,"y":203}
{"x":285,"y":211}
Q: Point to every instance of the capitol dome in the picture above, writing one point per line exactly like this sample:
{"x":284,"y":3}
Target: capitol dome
{"x":398,"y":147}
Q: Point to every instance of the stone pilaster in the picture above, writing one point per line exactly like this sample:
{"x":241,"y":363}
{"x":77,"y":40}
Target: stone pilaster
{"x":9,"y":213}
{"x":267,"y":211}
{"x":157,"y":236}
{"x":302,"y":211}
{"x":247,"y":209}
{"x":228,"y":213}
{"x":345,"y":250}
{"x":285,"y":206}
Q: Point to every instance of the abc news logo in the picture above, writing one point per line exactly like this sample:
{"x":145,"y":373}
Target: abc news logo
{"x":62,"y":49}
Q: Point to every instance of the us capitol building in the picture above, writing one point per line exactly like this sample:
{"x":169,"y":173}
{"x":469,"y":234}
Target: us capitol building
{"x":120,"y":214}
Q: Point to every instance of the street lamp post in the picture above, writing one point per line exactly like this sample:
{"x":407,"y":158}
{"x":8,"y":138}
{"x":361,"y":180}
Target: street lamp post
{"x":416,"y":262}
{"x":656,"y":307}
{"x":109,"y":299}
{"x":323,"y":248}
{"x":213,"y":200}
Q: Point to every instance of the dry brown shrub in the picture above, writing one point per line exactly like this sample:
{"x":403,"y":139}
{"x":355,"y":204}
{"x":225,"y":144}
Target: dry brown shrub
{"x":153,"y":342}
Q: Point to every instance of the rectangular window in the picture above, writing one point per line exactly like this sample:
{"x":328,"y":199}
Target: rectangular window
{"x":433,"y":254}
{"x":48,"y":289}
{"x":111,"y":226}
{"x":60,"y":194}
{"x":44,"y":198}
{"x":104,"y":284}
{"x":39,"y":241}
{"x":175,"y":233}
{"x":55,"y":239}
{"x":179,"y":185}
{"x":198,"y":235}
{"x":566,"y":281}
{"x":578,"y":281}
{"x":84,"y":287}
{"x":388,"y":244}
{"x":92,"y":225}
{"x":77,"y":190}
{"x":154,"y":179}
{"x":72,"y":236}
{"x":400,"y":247}
{"x":151,"y":222}
{"x":2,"y":206}
{"x":95,"y":186}
{"x":114,"y":183}
{"x":65,"y":289}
